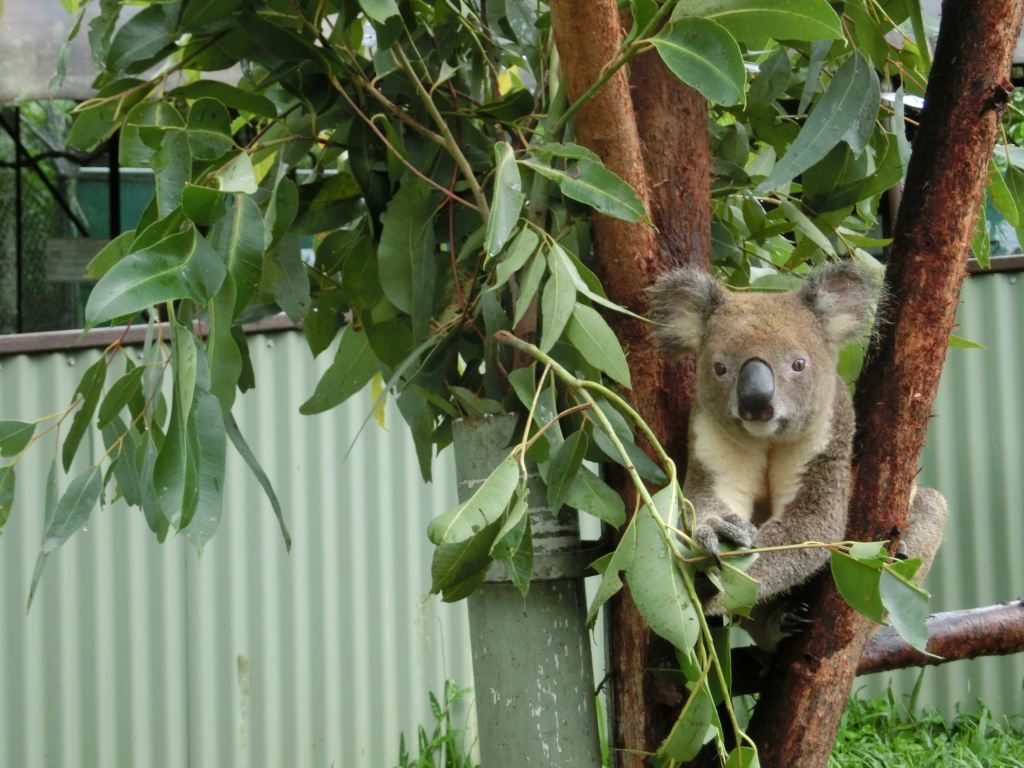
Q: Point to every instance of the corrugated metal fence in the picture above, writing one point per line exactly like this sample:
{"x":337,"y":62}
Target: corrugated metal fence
{"x":975,"y":457}
{"x":135,"y":654}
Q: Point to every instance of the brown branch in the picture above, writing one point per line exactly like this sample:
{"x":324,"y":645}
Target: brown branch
{"x":798,"y":714}
{"x":995,"y":630}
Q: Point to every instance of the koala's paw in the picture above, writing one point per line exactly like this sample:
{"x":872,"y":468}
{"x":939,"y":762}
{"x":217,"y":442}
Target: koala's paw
{"x":731,"y":528}
{"x":707,"y":539}
{"x":795,"y":618}
{"x":738,"y":530}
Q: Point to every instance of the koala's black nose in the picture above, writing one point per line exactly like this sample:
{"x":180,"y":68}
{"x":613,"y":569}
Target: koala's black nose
{"x":755,"y":388}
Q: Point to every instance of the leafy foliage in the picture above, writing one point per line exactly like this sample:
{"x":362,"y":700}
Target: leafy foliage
{"x":401,"y":179}
{"x":447,"y":744}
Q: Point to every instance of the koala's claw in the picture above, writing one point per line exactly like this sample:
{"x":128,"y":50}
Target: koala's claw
{"x":707,"y":539}
{"x":795,"y":619}
{"x":902,"y":551}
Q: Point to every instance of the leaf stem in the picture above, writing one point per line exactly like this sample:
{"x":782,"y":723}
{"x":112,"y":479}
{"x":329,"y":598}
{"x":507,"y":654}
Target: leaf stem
{"x":450,"y":142}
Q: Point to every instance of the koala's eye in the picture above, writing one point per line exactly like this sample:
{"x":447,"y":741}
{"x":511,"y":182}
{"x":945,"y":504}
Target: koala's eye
{"x":720,"y":369}
{"x":799,"y":364}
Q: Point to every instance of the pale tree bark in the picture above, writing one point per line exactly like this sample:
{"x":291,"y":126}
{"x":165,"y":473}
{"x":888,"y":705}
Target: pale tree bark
{"x":652,"y":131}
{"x":798,"y":714}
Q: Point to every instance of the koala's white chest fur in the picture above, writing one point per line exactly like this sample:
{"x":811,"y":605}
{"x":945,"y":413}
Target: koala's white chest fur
{"x":752,"y":473}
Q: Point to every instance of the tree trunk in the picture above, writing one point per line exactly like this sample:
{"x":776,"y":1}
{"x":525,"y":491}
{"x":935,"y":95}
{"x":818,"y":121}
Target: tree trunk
{"x":657,"y":141}
{"x":798,"y":714}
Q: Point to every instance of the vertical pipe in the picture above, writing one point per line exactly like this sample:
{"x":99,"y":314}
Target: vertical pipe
{"x":532,"y":671}
{"x":114,"y":186}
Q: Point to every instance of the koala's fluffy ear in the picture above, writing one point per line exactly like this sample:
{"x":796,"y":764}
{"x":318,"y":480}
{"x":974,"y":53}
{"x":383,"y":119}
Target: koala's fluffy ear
{"x":681,"y":302}
{"x":842,"y":296}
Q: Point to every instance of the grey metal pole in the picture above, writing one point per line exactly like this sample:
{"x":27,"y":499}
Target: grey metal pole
{"x":532,"y":670}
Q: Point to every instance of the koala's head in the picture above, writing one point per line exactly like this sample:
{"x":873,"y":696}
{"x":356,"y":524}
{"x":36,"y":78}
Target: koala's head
{"x":766,"y":362}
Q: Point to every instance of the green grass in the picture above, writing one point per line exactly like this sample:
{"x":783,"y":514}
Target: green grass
{"x":882,"y":732}
{"x":447,"y":744}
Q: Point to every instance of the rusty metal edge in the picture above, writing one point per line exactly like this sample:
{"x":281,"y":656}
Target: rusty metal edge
{"x":74,"y":340}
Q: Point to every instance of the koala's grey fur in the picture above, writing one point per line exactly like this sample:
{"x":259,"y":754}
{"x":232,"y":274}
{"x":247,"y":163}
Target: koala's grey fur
{"x":782,"y":475}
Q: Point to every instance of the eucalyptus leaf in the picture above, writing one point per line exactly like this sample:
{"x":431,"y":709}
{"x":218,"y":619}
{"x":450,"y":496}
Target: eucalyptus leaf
{"x":178,"y":267}
{"x":858,"y":584}
{"x":846,"y":113}
{"x":655,"y":580}
{"x":7,"y":479}
{"x":507,"y":200}
{"x":485,"y":506}
{"x":239,"y":441}
{"x":691,"y":728}
{"x":755,"y":20}
{"x":590,"y":494}
{"x":592,"y":184}
{"x":353,"y":367}
{"x":88,"y":392}
{"x":557,"y":303}
{"x":14,"y":436}
{"x":74,"y":508}
{"x":611,"y":580}
{"x":907,"y":607}
{"x":592,"y":336}
{"x":565,"y":464}
{"x":705,"y":56}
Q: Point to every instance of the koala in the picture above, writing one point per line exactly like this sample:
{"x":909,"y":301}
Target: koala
{"x":772,"y":424}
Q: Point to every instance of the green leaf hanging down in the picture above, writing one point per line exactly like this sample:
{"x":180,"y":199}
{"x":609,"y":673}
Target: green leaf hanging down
{"x":590,"y":494}
{"x":556,"y":302}
{"x":212,"y":443}
{"x":591,"y":335}
{"x":6,"y":493}
{"x":178,"y":267}
{"x":353,"y":367}
{"x":49,"y":512}
{"x":691,"y":727}
{"x":89,"y":389}
{"x":285,"y":277}
{"x":703,"y":55}
{"x":458,"y":568}
{"x":655,"y":581}
{"x":120,"y":392}
{"x":14,"y":436}
{"x":74,"y":507}
{"x":565,"y":464}
{"x":845,"y":113}
{"x":858,"y":584}
{"x":238,"y":440}
{"x":482,"y":509}
{"x":614,"y":564}
{"x":408,"y":269}
{"x":592,"y":184}
{"x":507,"y":201}
{"x":239,"y":241}
{"x":755,"y":20}
{"x":906,"y":603}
